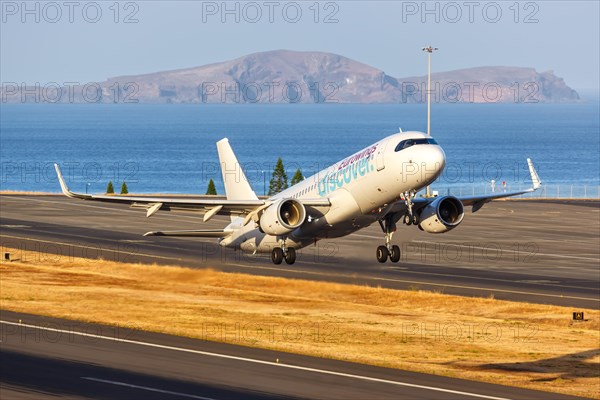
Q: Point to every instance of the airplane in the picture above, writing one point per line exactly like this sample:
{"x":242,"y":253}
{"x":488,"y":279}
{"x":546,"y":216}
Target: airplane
{"x":377,"y":184}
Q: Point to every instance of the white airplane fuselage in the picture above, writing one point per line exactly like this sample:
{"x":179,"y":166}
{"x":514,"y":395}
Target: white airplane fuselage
{"x":376,"y":184}
{"x":360,"y":188}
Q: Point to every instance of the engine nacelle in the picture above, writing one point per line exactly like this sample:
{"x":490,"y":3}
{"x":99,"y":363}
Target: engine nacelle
{"x":442,"y":214}
{"x":282,"y":217}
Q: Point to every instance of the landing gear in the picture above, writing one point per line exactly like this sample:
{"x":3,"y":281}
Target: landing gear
{"x":278,"y":254}
{"x":410,"y":218}
{"x":290,"y":255}
{"x":383,"y":252}
{"x":395,"y":254}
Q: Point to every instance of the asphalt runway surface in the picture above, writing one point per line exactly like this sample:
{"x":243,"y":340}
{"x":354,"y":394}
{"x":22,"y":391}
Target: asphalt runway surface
{"x":535,"y":251}
{"x":51,"y":358}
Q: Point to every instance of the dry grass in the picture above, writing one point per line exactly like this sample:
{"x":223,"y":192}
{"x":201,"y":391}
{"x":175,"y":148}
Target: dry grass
{"x":527,"y":345}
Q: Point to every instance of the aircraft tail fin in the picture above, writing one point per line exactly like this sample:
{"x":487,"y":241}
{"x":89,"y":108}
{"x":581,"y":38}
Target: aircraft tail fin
{"x":237,"y":186}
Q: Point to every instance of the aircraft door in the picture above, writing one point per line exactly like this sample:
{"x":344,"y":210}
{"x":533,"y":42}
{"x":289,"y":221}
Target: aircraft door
{"x":379,"y":155}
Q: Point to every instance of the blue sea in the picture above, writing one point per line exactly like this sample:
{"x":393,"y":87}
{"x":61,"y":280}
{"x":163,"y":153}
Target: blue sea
{"x":171,"y":148}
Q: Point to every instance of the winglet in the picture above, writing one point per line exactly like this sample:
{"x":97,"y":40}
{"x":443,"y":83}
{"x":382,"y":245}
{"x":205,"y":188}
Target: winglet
{"x":65,"y":188}
{"x":535,"y":179}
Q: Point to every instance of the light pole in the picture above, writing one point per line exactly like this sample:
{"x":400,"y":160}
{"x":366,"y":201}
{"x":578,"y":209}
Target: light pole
{"x":87,"y":185}
{"x":429,"y":50}
{"x":264,"y":174}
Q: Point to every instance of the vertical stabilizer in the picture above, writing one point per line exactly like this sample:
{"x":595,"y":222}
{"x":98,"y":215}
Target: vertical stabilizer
{"x":237,"y":186}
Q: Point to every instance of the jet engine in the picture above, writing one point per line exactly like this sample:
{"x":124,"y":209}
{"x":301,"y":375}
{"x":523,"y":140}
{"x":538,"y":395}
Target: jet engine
{"x":282,"y":217}
{"x":442,"y":214}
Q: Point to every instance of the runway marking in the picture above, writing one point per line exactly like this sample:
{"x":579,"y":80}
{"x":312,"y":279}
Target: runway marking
{"x":483,"y":248}
{"x":419,"y":282}
{"x":257,"y":361}
{"x":92,"y":248}
{"x":299,"y":271}
{"x":147,"y":243}
{"x":509,"y":250}
{"x":191,"y":396}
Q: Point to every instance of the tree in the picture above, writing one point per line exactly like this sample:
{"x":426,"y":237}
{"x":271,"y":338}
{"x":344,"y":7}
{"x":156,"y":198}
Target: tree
{"x":297,"y":177}
{"x":124,"y":188}
{"x":211,"y":188}
{"x":109,"y":188}
{"x":279,"y":180}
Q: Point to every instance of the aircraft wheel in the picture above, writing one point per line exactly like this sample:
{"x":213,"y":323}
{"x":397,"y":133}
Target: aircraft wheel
{"x":407,"y":219}
{"x":395,"y":254}
{"x":415,"y":220}
{"x":290,"y":256}
{"x":277,"y":255}
{"x":382,"y":254}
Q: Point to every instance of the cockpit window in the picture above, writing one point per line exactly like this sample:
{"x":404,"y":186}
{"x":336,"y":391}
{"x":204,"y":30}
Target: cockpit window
{"x":411,"y":142}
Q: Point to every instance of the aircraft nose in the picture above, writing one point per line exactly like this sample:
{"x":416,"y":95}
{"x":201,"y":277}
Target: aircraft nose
{"x":435,"y":162}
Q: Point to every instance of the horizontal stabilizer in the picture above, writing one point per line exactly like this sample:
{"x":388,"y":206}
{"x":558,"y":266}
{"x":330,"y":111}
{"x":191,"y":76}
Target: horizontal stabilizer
{"x":207,"y":233}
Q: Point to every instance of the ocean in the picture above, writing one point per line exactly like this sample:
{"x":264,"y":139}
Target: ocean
{"x":171,"y":148}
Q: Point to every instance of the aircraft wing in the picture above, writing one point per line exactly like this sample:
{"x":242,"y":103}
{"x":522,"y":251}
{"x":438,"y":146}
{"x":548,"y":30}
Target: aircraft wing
{"x":209,"y":207}
{"x":477,"y":201}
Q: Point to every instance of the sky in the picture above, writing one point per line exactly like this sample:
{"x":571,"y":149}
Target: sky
{"x":87,"y":41}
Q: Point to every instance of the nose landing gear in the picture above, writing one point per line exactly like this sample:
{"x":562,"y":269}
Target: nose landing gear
{"x":410,"y":218}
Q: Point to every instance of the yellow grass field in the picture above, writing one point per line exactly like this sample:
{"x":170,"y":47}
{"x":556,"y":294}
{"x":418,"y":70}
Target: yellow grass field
{"x":526,"y":345}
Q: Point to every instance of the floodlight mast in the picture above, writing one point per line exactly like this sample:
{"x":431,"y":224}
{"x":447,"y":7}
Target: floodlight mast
{"x":429,"y":50}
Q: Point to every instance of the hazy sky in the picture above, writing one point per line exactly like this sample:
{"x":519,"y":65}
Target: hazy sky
{"x":79,"y":41}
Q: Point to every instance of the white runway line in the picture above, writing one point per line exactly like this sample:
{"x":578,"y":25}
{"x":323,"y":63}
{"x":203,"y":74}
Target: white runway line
{"x":481,"y":248}
{"x":129,"y":385}
{"x":299,"y":271}
{"x":91,"y":248}
{"x":263,"y":362}
{"x":508,"y":250}
{"x":443,"y":285}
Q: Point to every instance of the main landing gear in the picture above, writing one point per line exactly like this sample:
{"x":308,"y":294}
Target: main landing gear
{"x":392,"y":251}
{"x":278,"y":254}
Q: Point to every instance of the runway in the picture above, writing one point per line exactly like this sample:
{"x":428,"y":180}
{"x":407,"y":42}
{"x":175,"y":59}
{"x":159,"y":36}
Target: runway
{"x":45,"y":357}
{"x":535,"y":251}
